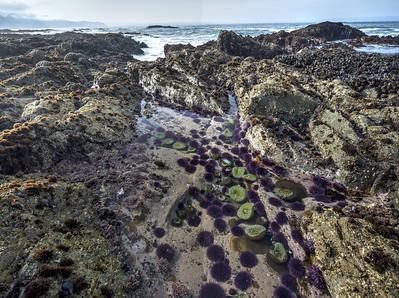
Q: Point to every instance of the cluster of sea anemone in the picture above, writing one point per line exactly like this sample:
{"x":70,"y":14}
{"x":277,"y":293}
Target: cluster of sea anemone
{"x":242,"y":173}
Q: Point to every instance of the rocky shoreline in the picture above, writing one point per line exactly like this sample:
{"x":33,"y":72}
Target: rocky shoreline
{"x":80,"y":193}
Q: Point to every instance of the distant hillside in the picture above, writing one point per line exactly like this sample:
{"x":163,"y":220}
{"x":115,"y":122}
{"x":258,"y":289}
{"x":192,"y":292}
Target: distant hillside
{"x":11,"y":22}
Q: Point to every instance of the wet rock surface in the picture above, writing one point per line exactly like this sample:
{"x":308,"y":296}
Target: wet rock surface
{"x":105,"y":195}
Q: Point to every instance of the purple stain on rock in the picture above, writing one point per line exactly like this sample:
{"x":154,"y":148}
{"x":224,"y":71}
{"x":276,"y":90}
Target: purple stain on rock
{"x":205,"y":238}
{"x":221,"y":271}
{"x":248,"y":259}
{"x":215,"y":253}
{"x":296,"y":268}
{"x":243,"y":281}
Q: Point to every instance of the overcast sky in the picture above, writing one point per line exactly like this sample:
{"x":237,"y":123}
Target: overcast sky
{"x":205,"y":11}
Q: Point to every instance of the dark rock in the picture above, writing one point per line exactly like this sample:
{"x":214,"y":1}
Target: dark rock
{"x":237,"y":45}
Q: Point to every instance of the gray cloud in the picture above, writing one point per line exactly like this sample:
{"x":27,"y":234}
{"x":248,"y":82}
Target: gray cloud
{"x":12,"y":6}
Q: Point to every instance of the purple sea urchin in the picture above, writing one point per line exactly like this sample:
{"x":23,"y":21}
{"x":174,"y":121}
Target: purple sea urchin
{"x":211,"y":290}
{"x":215,"y":253}
{"x":165,"y":251}
{"x":182,"y":162}
{"x":204,"y":204}
{"x":205,"y":238}
{"x":296,"y":267}
{"x":283,"y":292}
{"x":289,"y":281}
{"x":159,"y":232}
{"x":220,"y":224}
{"x":279,"y":237}
{"x":297,"y":206}
{"x":316,"y":278}
{"x":221,"y":271}
{"x":209,"y":168}
{"x":260,"y":209}
{"x":237,"y":231}
{"x":278,"y":170}
{"x":214,"y":211}
{"x":190,"y":169}
{"x":229,"y":210}
{"x":208,"y":177}
{"x":267,"y":183}
{"x":297,"y":236}
{"x":281,"y":218}
{"x":308,"y":245}
{"x":274,"y":202}
{"x":275,"y":227}
{"x":243,"y":281}
{"x":252,"y":196}
{"x":194,"y":221}
{"x":248,"y":259}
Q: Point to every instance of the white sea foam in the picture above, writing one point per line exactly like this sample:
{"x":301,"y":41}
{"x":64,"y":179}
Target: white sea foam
{"x":379,"y":49}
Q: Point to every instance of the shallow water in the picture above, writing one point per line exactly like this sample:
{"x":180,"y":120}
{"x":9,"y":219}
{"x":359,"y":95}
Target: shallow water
{"x":201,"y":177}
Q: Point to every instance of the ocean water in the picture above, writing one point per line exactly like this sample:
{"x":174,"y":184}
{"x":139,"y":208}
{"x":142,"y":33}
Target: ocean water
{"x":196,"y":35}
{"x":200,"y":34}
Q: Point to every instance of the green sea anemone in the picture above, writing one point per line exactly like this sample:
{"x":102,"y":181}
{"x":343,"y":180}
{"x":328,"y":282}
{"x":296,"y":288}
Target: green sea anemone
{"x":168,"y":141}
{"x":226,"y":162}
{"x":228,"y":133}
{"x":238,"y":172}
{"x":179,"y":146}
{"x":249,"y":177}
{"x":237,"y":193}
{"x":255,"y":232}
{"x":159,"y":135}
{"x":191,"y":150}
{"x":246,"y":211}
{"x":284,"y":193}
{"x":279,"y":253}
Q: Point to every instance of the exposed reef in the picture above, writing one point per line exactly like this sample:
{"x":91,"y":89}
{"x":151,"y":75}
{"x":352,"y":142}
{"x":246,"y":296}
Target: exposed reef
{"x":123,"y":178}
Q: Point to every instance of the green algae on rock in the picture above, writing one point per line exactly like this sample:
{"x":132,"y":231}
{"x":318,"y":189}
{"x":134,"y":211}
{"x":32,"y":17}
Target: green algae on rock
{"x":246,"y":211}
{"x":255,"y":232}
{"x":237,"y":193}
